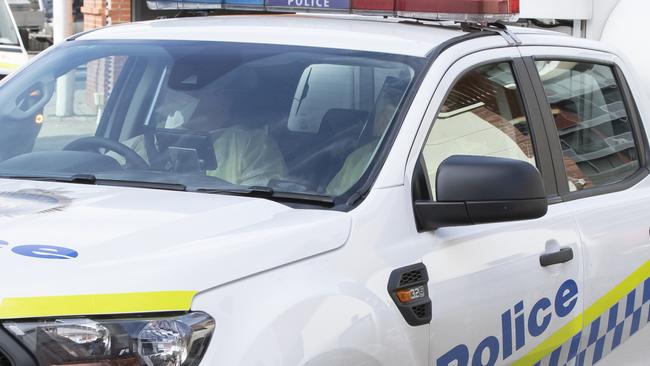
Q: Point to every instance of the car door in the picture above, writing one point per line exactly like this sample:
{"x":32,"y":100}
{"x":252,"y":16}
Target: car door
{"x":601,"y":154}
{"x":493,"y":302}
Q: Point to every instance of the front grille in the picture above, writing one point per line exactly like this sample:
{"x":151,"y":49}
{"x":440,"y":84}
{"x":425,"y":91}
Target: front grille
{"x":4,"y":361}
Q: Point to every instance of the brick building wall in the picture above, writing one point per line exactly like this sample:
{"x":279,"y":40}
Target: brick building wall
{"x":94,"y":13}
{"x":100,"y":13}
{"x":118,"y":11}
{"x":101,"y":75}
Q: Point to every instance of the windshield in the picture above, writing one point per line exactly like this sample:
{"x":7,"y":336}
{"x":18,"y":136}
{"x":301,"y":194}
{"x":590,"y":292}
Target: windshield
{"x":207,"y":115}
{"x":8,"y":34}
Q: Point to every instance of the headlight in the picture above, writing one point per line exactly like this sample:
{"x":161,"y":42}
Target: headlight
{"x":137,"y":341}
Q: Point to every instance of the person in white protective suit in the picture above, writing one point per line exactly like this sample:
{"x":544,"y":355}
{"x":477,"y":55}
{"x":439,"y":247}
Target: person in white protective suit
{"x":357,"y":162}
{"x":245,"y":155}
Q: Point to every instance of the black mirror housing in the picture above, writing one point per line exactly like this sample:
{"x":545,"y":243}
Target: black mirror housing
{"x":479,"y":189}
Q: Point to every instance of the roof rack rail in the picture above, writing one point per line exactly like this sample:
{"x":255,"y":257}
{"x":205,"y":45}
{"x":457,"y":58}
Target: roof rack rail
{"x":495,"y":27}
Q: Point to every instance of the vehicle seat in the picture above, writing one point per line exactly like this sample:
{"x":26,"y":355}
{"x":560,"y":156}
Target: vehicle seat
{"x":374,"y":127}
{"x":391,"y":93}
{"x":336,"y":139}
{"x":566,"y":117}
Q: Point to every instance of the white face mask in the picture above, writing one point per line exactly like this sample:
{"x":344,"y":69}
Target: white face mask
{"x":178,"y":107}
{"x":175,"y":121}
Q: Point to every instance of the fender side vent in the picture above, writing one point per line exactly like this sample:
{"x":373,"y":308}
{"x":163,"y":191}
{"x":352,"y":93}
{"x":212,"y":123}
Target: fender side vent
{"x":411,"y":277}
{"x":422,"y":311}
{"x":408,"y":287}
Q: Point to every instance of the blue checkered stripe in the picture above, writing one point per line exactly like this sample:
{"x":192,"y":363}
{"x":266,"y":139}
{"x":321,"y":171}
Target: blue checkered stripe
{"x":606,"y":333}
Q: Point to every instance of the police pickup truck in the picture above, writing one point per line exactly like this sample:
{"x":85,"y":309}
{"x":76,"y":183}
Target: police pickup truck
{"x":325,"y":190}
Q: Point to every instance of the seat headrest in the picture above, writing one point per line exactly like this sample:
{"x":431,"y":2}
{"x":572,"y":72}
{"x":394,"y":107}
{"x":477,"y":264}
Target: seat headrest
{"x":393,"y":89}
{"x":339,"y":119}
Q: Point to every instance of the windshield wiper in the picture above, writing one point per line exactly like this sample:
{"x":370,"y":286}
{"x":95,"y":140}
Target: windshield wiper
{"x":93,"y":180}
{"x":142,"y":184}
{"x":270,"y":193}
{"x":77,"y":178}
{"x":255,"y":191}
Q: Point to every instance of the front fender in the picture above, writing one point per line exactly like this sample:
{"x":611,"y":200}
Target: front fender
{"x":303,"y":314}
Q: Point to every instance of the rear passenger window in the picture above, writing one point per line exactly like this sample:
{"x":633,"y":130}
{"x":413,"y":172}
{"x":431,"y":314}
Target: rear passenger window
{"x":483,"y":115}
{"x":592,"y":123}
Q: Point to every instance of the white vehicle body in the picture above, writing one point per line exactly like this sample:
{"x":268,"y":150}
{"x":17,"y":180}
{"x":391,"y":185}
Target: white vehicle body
{"x":12,"y":51}
{"x":623,"y":31}
{"x":618,"y":23}
{"x":294,"y":286}
{"x":590,"y":16}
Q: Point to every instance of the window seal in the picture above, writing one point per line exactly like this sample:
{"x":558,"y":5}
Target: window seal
{"x":553,"y":141}
{"x":636,"y":125}
{"x":538,"y":128}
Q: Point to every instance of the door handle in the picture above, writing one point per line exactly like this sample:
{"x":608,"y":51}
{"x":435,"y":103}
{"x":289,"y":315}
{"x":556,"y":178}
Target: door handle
{"x":562,"y":256}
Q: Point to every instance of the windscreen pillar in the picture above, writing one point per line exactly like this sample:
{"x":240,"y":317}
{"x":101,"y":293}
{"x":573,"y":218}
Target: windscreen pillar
{"x":62,"y":24}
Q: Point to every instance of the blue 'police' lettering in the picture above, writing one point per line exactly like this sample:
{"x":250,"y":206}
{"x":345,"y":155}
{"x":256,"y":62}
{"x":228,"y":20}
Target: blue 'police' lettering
{"x":506,"y":330}
{"x":566,"y":298}
{"x":45,"y":252}
{"x":520,"y":326}
{"x":458,"y":354}
{"x":491,"y":344}
{"x":538,"y":319}
{"x":534,"y":327}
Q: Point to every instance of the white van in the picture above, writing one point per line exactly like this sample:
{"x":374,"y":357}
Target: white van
{"x":12,"y":51}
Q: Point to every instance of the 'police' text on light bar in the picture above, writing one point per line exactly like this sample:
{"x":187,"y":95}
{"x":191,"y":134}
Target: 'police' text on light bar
{"x":325,"y":4}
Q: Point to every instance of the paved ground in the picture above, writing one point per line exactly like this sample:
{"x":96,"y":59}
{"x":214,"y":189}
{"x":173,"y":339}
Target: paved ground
{"x":83,"y":122}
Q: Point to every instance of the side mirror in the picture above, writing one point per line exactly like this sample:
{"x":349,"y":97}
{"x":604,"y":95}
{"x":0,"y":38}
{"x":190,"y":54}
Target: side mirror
{"x":478,"y":190}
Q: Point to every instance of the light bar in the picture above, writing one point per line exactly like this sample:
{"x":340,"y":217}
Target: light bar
{"x":244,"y":4}
{"x":374,"y":6}
{"x":182,"y":4}
{"x":337,"y":6}
{"x":459,"y":10}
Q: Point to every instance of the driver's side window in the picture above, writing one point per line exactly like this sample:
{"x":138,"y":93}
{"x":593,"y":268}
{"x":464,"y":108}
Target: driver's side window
{"x":483,"y":115}
{"x":76,"y":106}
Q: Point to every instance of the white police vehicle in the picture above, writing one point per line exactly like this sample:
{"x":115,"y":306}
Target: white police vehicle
{"x":325,"y":190}
{"x":12,"y":51}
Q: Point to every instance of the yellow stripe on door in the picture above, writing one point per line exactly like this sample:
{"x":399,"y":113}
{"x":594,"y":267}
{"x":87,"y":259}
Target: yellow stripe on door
{"x":597,"y":309}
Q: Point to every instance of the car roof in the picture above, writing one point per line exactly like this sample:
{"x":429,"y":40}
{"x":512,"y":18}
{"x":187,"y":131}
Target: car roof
{"x":374,"y":34}
{"x":354,"y":32}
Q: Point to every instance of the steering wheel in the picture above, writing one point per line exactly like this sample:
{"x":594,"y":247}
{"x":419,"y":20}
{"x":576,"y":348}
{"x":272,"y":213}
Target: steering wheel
{"x":94,"y":143}
{"x":156,"y":159}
